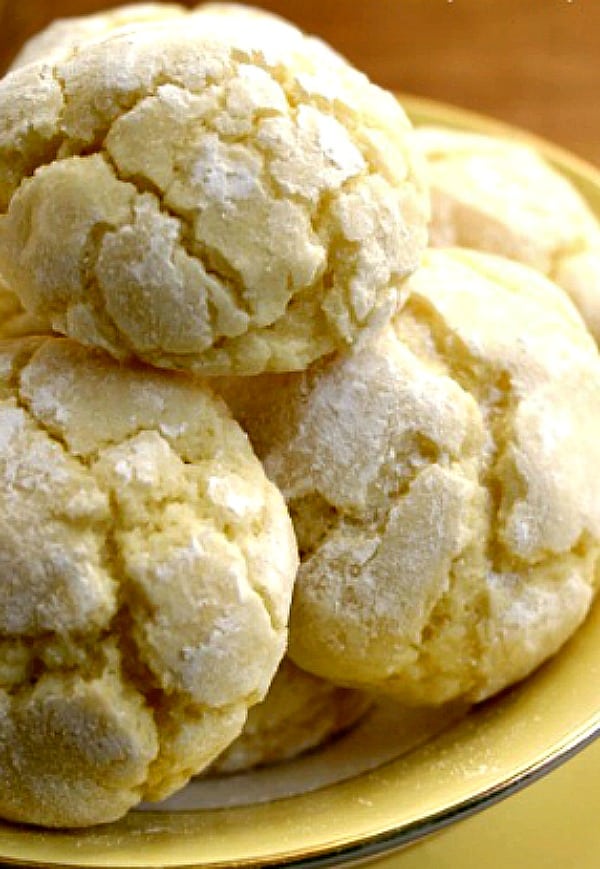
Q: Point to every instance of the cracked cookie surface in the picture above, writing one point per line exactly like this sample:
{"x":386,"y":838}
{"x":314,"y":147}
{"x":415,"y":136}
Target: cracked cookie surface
{"x":218,"y":193}
{"x":147,"y":569}
{"x":63,"y":36}
{"x":443,"y":485}
{"x":499,"y":196}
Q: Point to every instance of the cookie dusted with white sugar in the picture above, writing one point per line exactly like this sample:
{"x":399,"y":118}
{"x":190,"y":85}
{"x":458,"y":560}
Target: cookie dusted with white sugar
{"x":502,"y":197}
{"x":63,"y":35}
{"x":218,"y":193}
{"x":147,"y":567}
{"x":443,"y":484}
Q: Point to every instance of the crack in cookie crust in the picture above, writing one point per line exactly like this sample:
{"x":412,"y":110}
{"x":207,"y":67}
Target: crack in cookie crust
{"x":166,"y":558}
{"x":438,"y":479}
{"x":277,"y":200}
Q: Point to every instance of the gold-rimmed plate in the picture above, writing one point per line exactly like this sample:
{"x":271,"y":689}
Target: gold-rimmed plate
{"x":465,"y":765}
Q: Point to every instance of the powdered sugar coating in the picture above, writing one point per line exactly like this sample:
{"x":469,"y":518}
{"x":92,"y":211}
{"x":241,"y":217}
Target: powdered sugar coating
{"x":64,"y":35}
{"x":270,"y":216}
{"x":441,"y":484}
{"x":143,"y":607}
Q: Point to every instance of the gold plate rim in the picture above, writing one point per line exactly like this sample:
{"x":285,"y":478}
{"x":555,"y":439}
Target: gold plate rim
{"x":501,"y":747}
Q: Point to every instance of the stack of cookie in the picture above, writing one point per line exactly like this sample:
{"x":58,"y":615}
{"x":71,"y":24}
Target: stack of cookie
{"x":206,"y":217}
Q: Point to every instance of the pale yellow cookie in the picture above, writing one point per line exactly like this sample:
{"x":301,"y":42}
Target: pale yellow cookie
{"x":501,"y":196}
{"x":444,"y":485}
{"x":579,"y":275}
{"x":218,"y":193}
{"x":299,"y":713}
{"x":64,"y":35}
{"x":147,"y":567}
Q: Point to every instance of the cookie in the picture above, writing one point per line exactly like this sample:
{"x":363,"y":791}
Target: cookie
{"x":270,"y":218}
{"x":300,"y":712}
{"x":63,"y":35}
{"x":501,"y":196}
{"x":442,"y":483}
{"x":147,"y":569}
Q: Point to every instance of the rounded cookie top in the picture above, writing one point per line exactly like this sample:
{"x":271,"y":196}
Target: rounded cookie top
{"x":66,"y":36}
{"x":63,"y":35}
{"x":440,"y":483}
{"x":299,"y":713}
{"x":147,"y":566}
{"x":219,"y":193}
{"x":501,"y":196}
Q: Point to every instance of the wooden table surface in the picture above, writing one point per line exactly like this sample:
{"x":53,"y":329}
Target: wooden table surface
{"x":535,"y":63}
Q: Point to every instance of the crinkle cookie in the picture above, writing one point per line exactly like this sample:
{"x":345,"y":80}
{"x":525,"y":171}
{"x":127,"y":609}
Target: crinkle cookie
{"x":219,"y":193}
{"x":299,"y":712}
{"x":502,"y":197}
{"x":443,"y":484}
{"x":64,"y":35}
{"x":147,"y":567}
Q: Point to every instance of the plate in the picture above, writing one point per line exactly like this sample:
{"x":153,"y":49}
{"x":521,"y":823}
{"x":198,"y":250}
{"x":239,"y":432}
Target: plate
{"x":467,"y":763}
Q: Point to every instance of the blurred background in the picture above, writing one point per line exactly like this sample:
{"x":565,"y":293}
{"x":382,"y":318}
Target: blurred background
{"x":535,"y":63}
